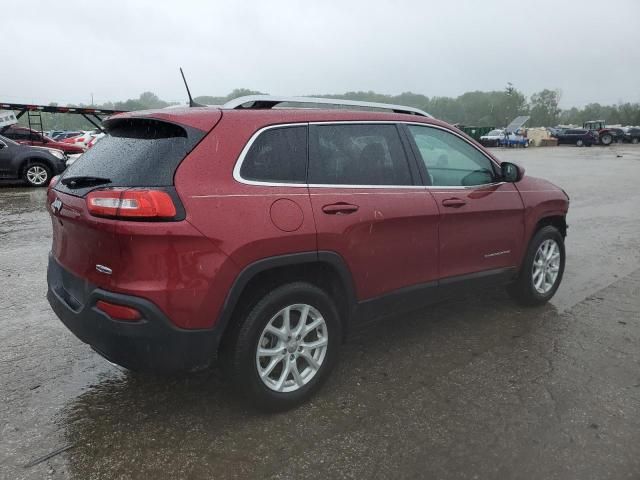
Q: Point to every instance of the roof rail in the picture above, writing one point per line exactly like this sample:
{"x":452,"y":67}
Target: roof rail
{"x":268,"y":101}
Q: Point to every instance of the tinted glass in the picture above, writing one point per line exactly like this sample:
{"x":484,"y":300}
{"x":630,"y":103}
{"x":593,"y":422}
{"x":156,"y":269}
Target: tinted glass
{"x":357,"y":155}
{"x":16,"y":134}
{"x":135,"y":153}
{"x":7,"y":141}
{"x":278,"y":155}
{"x":450,"y":160}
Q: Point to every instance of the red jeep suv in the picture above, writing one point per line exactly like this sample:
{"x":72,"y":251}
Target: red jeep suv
{"x":260,"y":233}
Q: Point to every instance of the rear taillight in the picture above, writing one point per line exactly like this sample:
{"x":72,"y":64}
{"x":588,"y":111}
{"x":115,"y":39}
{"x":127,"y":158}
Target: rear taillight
{"x":118,"y":312}
{"x":135,"y":204}
{"x":53,"y":181}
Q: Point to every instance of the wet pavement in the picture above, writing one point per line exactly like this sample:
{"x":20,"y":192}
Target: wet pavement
{"x":479,"y":388}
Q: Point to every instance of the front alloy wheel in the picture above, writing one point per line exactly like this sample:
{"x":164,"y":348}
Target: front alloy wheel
{"x":542,"y":268}
{"x":37,"y":175}
{"x":546,"y":266}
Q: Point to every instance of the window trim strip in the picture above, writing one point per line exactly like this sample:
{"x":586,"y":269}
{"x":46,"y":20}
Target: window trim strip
{"x":238,"y":165}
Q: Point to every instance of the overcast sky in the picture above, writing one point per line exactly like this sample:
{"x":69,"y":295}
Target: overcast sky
{"x":64,"y":51}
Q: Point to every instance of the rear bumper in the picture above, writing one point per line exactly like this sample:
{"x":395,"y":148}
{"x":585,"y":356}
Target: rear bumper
{"x":152,"y":344}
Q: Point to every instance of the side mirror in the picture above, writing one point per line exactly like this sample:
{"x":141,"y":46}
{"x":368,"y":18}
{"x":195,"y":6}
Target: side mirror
{"x":511,"y":172}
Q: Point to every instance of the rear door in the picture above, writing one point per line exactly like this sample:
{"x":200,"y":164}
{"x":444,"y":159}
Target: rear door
{"x":482,"y":218}
{"x":369,"y":206}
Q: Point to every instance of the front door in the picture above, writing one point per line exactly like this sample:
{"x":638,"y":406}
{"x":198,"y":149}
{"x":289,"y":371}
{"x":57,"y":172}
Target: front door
{"x":6,"y":155}
{"x":370,"y":208}
{"x":482,"y":219}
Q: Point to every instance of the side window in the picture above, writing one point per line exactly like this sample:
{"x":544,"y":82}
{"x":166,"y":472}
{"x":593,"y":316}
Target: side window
{"x":15,"y":134}
{"x":278,"y":155}
{"x":451,"y":161}
{"x":367,"y":154}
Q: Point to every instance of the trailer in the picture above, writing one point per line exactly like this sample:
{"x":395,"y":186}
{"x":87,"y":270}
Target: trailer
{"x":95,"y":116}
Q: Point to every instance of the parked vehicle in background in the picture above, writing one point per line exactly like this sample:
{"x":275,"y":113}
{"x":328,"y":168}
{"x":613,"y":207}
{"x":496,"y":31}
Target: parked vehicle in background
{"x":34,"y":165}
{"x":347,"y":216}
{"x":53,"y":133}
{"x":64,"y":135}
{"x":554,"y":131}
{"x":577,"y":136}
{"x":604,"y":134}
{"x":494,"y":138}
{"x":632,"y":135}
{"x":515,"y":140}
{"x":83,"y":139}
{"x":618,"y":134}
{"x":27,"y":136}
{"x":95,"y":139}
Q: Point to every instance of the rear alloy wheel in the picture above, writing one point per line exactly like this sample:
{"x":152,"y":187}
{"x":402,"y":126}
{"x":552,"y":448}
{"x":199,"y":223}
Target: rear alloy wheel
{"x":580,"y":143}
{"x":606,"y":139}
{"x":542,"y":268}
{"x":292,"y":348}
{"x":635,"y":140}
{"x":285,"y":347}
{"x":37,"y":175}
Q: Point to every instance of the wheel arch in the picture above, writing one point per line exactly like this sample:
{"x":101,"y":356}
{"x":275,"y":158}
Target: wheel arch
{"x":325,"y":269}
{"x":555,"y":220}
{"x":30,"y":159}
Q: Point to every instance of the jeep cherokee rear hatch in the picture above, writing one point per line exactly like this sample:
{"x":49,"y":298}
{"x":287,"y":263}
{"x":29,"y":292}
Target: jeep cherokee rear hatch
{"x":116,"y":216}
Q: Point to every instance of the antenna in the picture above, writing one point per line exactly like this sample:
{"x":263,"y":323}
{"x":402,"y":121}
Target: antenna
{"x":191,"y":102}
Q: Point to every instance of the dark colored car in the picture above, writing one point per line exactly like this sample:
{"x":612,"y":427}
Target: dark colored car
{"x":27,"y":136}
{"x":577,"y":136}
{"x":34,"y":165}
{"x":632,"y":135}
{"x":262,"y":236}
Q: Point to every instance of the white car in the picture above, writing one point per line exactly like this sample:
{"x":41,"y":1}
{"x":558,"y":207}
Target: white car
{"x":494,"y":138}
{"x":95,"y":139}
{"x":84,"y":139}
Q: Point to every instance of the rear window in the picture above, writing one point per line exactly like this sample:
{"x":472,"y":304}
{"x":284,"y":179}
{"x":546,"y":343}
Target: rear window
{"x":135,"y":153}
{"x":278,"y":155}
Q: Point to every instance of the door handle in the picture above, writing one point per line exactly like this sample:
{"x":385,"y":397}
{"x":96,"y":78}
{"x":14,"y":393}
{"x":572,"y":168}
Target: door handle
{"x":453,"y":202}
{"x":340,"y":208}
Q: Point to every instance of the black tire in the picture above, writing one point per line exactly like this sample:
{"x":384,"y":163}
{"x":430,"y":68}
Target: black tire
{"x":580,"y":143}
{"x":36,"y":174}
{"x":606,"y":139}
{"x":240,"y":353}
{"x":523,"y":289}
{"x":635,"y":140}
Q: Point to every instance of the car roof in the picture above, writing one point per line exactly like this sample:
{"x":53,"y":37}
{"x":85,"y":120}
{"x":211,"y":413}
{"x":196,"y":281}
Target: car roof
{"x":198,"y":116}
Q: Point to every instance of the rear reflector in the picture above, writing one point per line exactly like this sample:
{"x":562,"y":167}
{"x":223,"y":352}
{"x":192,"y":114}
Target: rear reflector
{"x":118,"y":312}
{"x":131,"y":203}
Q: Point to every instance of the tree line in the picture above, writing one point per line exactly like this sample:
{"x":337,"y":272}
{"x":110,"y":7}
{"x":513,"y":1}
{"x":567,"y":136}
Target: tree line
{"x":477,"y":108}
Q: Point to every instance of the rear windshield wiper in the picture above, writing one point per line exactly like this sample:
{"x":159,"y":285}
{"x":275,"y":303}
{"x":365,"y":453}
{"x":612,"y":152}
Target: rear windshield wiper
{"x":83,"y":181}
